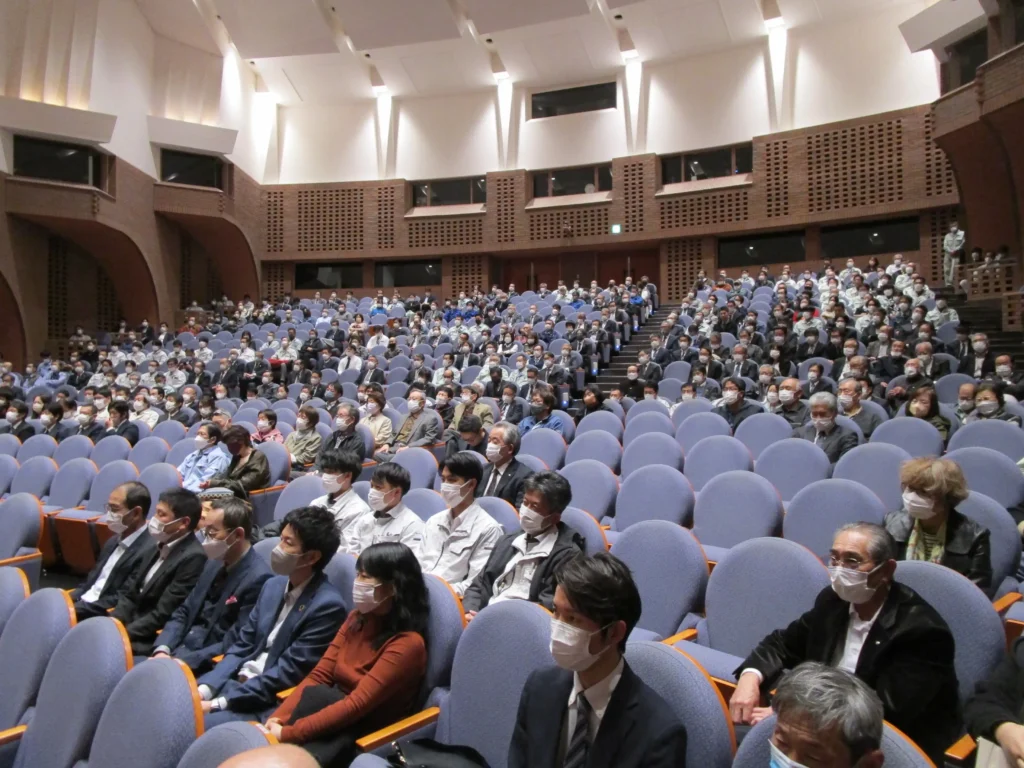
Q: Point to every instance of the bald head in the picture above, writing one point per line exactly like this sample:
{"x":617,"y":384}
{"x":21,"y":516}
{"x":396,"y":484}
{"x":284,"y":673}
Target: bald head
{"x":276,"y":756}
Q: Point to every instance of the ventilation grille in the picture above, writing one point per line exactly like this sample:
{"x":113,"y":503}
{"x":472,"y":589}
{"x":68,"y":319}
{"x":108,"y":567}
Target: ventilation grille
{"x":505,"y":208}
{"x":683,"y":260}
{"x":702,"y":210}
{"x":275,"y":222}
{"x":853,"y":167}
{"x":468,"y":272}
{"x":938,"y":172}
{"x":446,"y":233}
{"x":275,"y":280}
{"x":776,"y":178}
{"x":331,"y":220}
{"x":57,"y":299}
{"x":633,"y":178}
{"x":386,"y":217}
{"x":569,"y":223}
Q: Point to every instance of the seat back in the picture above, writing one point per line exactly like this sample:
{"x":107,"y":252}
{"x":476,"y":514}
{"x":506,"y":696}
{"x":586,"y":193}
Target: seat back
{"x":685,"y":409}
{"x":1005,"y":545}
{"x":990,"y":472}
{"x":948,"y":387}
{"x":279,"y":461}
{"x":37,"y":445}
{"x":876,"y":466}
{"x":171,"y":431}
{"x":420,"y":463}
{"x":643,"y":407}
{"x":670,"y":570}
{"x":8,"y":469}
{"x":111,"y":448}
{"x":792,"y":465}
{"x":604,"y":421}
{"x":759,"y":586}
{"x":14,"y":588}
{"x":222,"y":743}
{"x":35,"y":476}
{"x":425,"y":502}
{"x":646,"y":423}
{"x":819,"y":510}
{"x":33,"y":631}
{"x":148,"y":451}
{"x":652,"y":449}
{"x":714,"y":455}
{"x":106,"y":480}
{"x":502,"y":512}
{"x":735,"y":507}
{"x":998,"y":435}
{"x":86,"y":665}
{"x":74,"y":447}
{"x":547,"y":445}
{"x":160,"y":700}
{"x":596,"y":445}
{"x":698,"y":426}
{"x":159,"y":478}
{"x":21,"y":518}
{"x":9,"y":444}
{"x":481,"y":710}
{"x":594,"y":487}
{"x":298,"y":493}
{"x":654,"y":493}
{"x":340,"y":572}
{"x":977,"y":629}
{"x":915,"y":436}
{"x":586,"y":525}
{"x":759,"y":431}
{"x":444,"y":628}
{"x":691,"y":696}
{"x":72,"y":483}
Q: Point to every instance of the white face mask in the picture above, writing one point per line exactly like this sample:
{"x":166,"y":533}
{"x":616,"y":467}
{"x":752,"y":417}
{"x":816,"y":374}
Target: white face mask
{"x":846,"y":400}
{"x":201,"y":442}
{"x":987,"y":407}
{"x":493,"y":452}
{"x":452,"y":494}
{"x":331,"y":483}
{"x":730,"y":396}
{"x":823,"y":425}
{"x":84,"y":418}
{"x":216,"y":549}
{"x":262,"y":425}
{"x":851,"y":585}
{"x":377,"y":500}
{"x":966,"y":406}
{"x":364,"y":597}
{"x":1003,"y":371}
{"x":158,"y":529}
{"x":531,"y":521}
{"x":765,"y":378}
{"x":779,"y":760}
{"x":570,"y":646}
{"x":415,"y":405}
{"x":919,"y":507}
{"x":115,"y":522}
{"x":812,"y":376}
{"x":301,"y":424}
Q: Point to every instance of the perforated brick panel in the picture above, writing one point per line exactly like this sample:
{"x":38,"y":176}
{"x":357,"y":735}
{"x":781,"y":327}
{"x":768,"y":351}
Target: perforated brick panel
{"x":186,"y":284}
{"x":776,"y":178}
{"x":276,"y":279}
{"x":108,"y":308}
{"x":274,"y":222}
{"x":468,"y":272}
{"x":569,"y":223}
{"x":214,"y":286}
{"x":857,"y":166}
{"x":506,"y":208}
{"x":446,"y":233}
{"x":633,"y":197}
{"x":57,"y":297}
{"x":683,"y":259}
{"x":330,"y":219}
{"x":705,"y":209}
{"x":937,"y":223}
{"x":989,"y":283}
{"x":938,"y":172}
{"x":386,"y":217}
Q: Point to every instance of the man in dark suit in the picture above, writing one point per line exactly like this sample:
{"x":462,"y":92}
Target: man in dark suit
{"x":166,"y":577}
{"x":495,"y":383}
{"x":17,"y":420}
{"x":370,"y":373}
{"x":550,"y":373}
{"x":812,"y":346}
{"x":504,"y":476}
{"x":225,"y":375}
{"x":316,"y":387}
{"x":175,"y":412}
{"x":523,"y":564}
{"x":87,"y":424}
{"x":889,"y":367}
{"x":930,"y":367}
{"x":79,"y":378}
{"x":822,"y":430}
{"x":981,"y":362}
{"x":740,"y":366}
{"x":119,"y":560}
{"x":596,"y":606}
{"x":526,"y":391}
{"x":296,"y":617}
{"x":510,"y":409}
{"x":648,"y":371}
{"x":961,"y":348}
{"x":713,"y":369}
{"x":254,"y":371}
{"x":119,"y":424}
{"x":867,"y":624}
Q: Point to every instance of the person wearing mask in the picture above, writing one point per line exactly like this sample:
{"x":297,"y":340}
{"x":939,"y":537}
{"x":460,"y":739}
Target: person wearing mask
{"x":121,"y":556}
{"x":203,"y":626}
{"x":379,"y":425}
{"x":248,"y":467}
{"x":542,"y":415}
{"x":930,"y":368}
{"x":965,"y":401}
{"x":389,"y":519}
{"x":443,"y":405}
{"x":1005,"y":374}
{"x":304,"y":443}
{"x":928,"y":527}
{"x":923,"y":403}
{"x":50,"y":420}
{"x":713,"y":369}
{"x":493,"y":381}
{"x":471,"y":436}
{"x":593,"y":401}
{"x":522,"y":564}
{"x":591,"y":699}
{"x":458,"y":541}
{"x":371,"y":373}
{"x":141,"y":410}
{"x":419,"y":429}
{"x":470,"y":404}
{"x":633,"y":386}
{"x":734,"y":407}
{"x":17,"y":420}
{"x":345,"y":438}
{"x":981,"y":362}
{"x":79,"y":378}
{"x":841,"y":364}
{"x":266,"y":428}
{"x":447,"y":365}
{"x":990,"y":404}
{"x":826,"y":717}
{"x":174,"y":406}
{"x":225,"y":378}
{"x":822,"y":430}
{"x":371,"y":673}
{"x":551,"y":373}
{"x":647,"y":370}
{"x":765,"y":383}
{"x":169,"y":572}
{"x":874,"y":627}
{"x":504,"y":475}
{"x":850,"y":406}
{"x":816,"y":380}
{"x":339,"y":471}
{"x":812,"y":346}
{"x":952,"y":250}
{"x":740,"y":366}
{"x":120,"y":425}
{"x":509,"y":409}
{"x":297,"y":613}
{"x":87,"y":424}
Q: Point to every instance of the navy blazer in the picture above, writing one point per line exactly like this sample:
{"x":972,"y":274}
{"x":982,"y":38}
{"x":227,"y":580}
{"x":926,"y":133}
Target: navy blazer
{"x":125,"y":429}
{"x":236,"y":600}
{"x":93,"y":431}
{"x":638,"y":727}
{"x":308,"y":629}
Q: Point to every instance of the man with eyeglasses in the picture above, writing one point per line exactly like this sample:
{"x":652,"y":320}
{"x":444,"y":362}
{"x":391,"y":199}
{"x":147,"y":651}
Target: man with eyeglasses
{"x":875,"y":628}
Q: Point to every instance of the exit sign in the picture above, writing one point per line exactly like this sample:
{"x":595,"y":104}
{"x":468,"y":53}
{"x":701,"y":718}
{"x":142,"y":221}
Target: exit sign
{"x":616,"y":229}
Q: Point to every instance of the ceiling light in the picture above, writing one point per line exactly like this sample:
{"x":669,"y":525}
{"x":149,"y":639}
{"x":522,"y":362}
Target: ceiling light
{"x":774,"y":23}
{"x":380,"y":90}
{"x":630,"y":55}
{"x":499,"y":76}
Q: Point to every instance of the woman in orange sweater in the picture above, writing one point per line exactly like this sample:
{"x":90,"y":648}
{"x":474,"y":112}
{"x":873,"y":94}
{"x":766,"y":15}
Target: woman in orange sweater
{"x":371,"y":674}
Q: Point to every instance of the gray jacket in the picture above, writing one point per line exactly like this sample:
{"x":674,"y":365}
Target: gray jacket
{"x":835,"y":443}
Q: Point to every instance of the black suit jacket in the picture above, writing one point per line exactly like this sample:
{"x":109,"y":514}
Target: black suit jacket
{"x":638,"y":728}
{"x":512,"y":413}
{"x":94,"y":431}
{"x":907,"y":659}
{"x":376,"y":376}
{"x":510,"y":486}
{"x":228,"y":378}
{"x":1000,"y":698}
{"x":988,"y":365}
{"x":125,"y":429}
{"x":144,"y":608}
{"x":119,"y":577}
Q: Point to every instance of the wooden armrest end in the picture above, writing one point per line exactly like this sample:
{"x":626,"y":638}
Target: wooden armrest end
{"x":399,"y":729}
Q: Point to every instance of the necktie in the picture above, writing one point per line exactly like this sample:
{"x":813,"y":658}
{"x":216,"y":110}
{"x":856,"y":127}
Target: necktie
{"x":579,"y":744}
{"x":492,"y":483}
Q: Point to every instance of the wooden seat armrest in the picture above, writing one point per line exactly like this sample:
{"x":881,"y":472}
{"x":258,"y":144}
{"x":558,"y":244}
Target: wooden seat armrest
{"x":20,"y":559}
{"x":686,"y":634}
{"x":272,"y":488}
{"x":398,"y":730}
{"x":1002,"y":605}
{"x":282,"y":695}
{"x":12,"y":734}
{"x":218,"y":659}
{"x":962,"y":750}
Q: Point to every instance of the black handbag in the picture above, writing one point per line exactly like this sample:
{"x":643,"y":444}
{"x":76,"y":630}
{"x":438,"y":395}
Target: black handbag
{"x":427,"y":753}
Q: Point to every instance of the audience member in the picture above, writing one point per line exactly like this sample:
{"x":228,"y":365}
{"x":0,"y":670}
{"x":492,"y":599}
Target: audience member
{"x":390,"y":520}
{"x":266,"y":428}
{"x":248,"y":467}
{"x":303,"y":443}
{"x":824,"y":431}
{"x":206,"y":461}
{"x":119,"y":424}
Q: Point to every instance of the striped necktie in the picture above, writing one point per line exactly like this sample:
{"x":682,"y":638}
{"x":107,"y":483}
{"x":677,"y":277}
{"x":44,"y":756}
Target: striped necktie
{"x":579,"y":744}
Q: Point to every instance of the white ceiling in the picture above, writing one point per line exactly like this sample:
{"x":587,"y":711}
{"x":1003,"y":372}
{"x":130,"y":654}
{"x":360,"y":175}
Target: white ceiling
{"x":319,"y":51}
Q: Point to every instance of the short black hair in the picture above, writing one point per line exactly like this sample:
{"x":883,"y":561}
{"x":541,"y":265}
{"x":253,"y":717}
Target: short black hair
{"x":394,"y":475}
{"x":183,"y":503}
{"x":212,"y":431}
{"x":553,"y":487}
{"x":464,"y":466}
{"x":341,"y":461}
{"x":317,"y":530}
{"x":137,"y":495}
{"x":470,"y":423}
{"x":237,"y":514}
{"x":55,"y":409}
{"x":270,"y":415}
{"x":601,"y":587}
{"x":393,"y":563}
{"x":120,"y":408}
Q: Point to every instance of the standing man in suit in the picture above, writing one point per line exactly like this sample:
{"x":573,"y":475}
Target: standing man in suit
{"x":221,"y":601}
{"x":510,"y":409}
{"x":592,"y":708}
{"x":875,"y":628}
{"x":504,"y":476}
{"x":87,"y":424}
{"x":166,"y":577}
{"x":120,"y":425}
{"x":120,"y":558}
{"x":296,"y":616}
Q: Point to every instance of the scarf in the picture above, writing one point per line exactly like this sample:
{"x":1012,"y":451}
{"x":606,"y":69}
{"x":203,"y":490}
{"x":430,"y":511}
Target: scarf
{"x":917,"y":548}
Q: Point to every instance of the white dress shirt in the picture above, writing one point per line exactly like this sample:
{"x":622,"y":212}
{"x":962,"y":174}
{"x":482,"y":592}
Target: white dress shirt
{"x":514,"y":582}
{"x":101,"y":581}
{"x":457,"y":550}
{"x":856,"y":633}
{"x":347,"y":507}
{"x":399,"y":524}
{"x":598,"y":697}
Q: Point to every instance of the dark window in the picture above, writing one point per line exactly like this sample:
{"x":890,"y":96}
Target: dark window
{"x":744,"y":158}
{"x":315,"y":275}
{"x":871,"y":238}
{"x":573,"y":181}
{"x":188,"y":168}
{"x":672,"y":169}
{"x":57,"y":161}
{"x":399,"y":274}
{"x":450,"y":192}
{"x":588,"y":98}
{"x":970,"y":53}
{"x":1018,"y":22}
{"x":707,"y":164}
{"x":761,"y":249}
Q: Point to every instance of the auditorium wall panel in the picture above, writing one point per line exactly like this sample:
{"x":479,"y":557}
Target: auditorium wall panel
{"x":445,"y":137}
{"x":321,"y":144}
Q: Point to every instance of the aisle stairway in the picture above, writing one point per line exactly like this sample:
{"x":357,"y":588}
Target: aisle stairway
{"x":986,"y":317}
{"x":615,"y":373}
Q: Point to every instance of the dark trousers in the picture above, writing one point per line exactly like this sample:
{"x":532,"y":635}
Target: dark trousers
{"x":336,"y":750}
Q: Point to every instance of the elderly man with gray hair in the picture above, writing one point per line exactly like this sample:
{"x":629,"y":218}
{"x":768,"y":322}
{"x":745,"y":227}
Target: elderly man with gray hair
{"x":504,"y":475}
{"x":828,"y":718}
{"x":822,"y":430}
{"x":874,"y":627}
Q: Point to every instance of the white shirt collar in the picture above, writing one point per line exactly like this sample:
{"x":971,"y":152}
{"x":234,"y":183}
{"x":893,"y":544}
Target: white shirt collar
{"x":545,"y":541}
{"x":131,"y":538}
{"x":293,"y":592}
{"x":855,"y":617}
{"x":600,"y":693}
